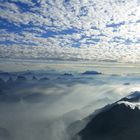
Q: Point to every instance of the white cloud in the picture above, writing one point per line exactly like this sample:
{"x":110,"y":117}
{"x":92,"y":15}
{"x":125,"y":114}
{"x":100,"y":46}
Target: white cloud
{"x":90,"y":18}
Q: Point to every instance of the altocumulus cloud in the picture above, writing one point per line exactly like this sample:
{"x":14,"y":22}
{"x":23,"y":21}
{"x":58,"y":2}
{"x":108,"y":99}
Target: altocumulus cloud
{"x":70,"y":29}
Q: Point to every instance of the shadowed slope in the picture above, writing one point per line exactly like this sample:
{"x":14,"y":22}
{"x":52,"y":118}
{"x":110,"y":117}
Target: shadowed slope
{"x":119,"y":122}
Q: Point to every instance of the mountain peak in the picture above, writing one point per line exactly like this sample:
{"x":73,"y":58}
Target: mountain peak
{"x":118,"y":121}
{"x":132,"y":100}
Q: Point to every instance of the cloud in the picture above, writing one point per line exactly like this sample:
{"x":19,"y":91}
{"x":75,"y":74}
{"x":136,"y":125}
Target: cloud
{"x":43,"y":111}
{"x":76,"y":30}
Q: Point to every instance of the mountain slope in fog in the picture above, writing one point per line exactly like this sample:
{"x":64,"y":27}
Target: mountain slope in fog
{"x":119,"y":121}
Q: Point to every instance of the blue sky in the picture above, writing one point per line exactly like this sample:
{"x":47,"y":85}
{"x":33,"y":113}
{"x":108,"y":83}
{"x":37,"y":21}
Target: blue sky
{"x":70,"y":29}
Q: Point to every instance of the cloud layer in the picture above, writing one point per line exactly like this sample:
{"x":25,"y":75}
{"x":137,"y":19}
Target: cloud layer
{"x":32,"y":109}
{"x":70,"y":29}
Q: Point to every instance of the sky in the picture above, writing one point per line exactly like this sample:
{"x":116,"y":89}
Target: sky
{"x":98,"y":30}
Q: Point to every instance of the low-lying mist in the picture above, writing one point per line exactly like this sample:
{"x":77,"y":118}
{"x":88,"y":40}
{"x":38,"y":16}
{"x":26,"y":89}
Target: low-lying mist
{"x":44,"y":109}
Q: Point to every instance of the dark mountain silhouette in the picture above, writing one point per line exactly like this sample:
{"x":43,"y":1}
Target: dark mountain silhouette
{"x":21,"y":78}
{"x":27,"y":73}
{"x":2,"y":73}
{"x":10,"y":80}
{"x":34,"y":78}
{"x":118,"y":121}
{"x":91,"y":73}
{"x":126,"y":83}
{"x":44,"y":79}
{"x":134,"y":97}
{"x":67,"y":74}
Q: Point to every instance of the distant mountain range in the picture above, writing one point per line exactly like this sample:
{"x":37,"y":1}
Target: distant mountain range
{"x":24,"y":76}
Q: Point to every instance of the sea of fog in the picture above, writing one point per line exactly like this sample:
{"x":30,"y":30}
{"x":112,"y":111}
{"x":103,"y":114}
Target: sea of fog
{"x":40,"y":101}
